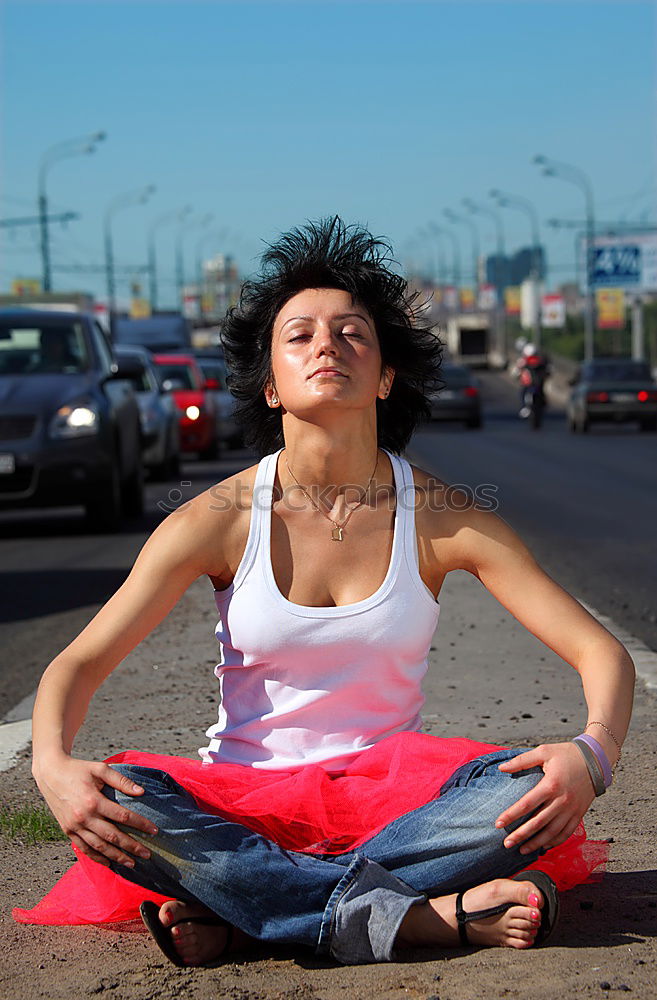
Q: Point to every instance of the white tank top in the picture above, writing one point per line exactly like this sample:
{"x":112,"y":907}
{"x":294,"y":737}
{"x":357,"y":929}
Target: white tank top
{"x":302,"y":684}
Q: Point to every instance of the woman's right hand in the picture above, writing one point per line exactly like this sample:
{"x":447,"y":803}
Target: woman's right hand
{"x":72,"y":790}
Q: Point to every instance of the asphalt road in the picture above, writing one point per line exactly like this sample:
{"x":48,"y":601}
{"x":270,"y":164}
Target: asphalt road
{"x":583,"y":504}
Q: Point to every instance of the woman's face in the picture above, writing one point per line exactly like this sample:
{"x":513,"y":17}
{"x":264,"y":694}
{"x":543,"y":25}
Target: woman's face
{"x":322,"y":328}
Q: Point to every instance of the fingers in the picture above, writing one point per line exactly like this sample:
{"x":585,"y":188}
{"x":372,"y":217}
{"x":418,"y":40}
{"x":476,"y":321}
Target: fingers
{"x":523,"y":761}
{"x":115,"y":779}
{"x":547,"y":829}
{"x":126,"y":817}
{"x":103,"y":842}
{"x":85,"y":849}
{"x":530,"y":801}
{"x":118,"y":840}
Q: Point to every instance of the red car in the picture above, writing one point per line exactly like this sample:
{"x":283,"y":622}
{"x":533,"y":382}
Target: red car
{"x":181,"y":374}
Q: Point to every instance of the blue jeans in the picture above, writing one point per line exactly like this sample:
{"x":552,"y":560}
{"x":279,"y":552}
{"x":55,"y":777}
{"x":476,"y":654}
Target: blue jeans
{"x":349,"y":906}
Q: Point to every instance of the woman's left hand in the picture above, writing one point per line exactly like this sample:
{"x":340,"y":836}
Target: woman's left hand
{"x":561,"y":797}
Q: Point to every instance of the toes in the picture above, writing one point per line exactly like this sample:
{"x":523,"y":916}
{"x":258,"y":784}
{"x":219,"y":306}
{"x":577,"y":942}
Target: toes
{"x":534,"y":895}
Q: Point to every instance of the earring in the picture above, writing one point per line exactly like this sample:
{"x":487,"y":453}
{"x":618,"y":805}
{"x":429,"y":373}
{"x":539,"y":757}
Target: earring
{"x":274,"y":400}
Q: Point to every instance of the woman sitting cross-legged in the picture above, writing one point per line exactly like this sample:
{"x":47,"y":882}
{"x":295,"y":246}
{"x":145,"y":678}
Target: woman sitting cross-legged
{"x":319,"y":814}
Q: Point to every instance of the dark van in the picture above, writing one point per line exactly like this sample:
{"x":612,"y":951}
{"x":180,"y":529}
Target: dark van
{"x":163,"y":332}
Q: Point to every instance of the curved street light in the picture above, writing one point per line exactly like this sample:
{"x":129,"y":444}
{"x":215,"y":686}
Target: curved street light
{"x":139,"y":197}
{"x":176,"y":214}
{"x":183,"y":227}
{"x":216,"y":234}
{"x":505,"y":200}
{"x":456,"y":249}
{"x":568,"y":172}
{"x":60,"y":151}
{"x":500,"y":310}
{"x":453,"y":217}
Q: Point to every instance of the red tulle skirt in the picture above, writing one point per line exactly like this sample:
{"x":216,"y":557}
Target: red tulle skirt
{"x":309,"y":810}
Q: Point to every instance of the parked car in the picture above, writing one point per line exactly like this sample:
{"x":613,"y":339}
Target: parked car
{"x":460,"y":398}
{"x":180,"y":374}
{"x":160,"y":332}
{"x":157,"y":410}
{"x":214,"y":369}
{"x":70,"y":431}
{"x":612,"y":389}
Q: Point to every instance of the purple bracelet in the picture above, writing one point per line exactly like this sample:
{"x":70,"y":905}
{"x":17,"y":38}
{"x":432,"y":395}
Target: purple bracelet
{"x":601,"y":756}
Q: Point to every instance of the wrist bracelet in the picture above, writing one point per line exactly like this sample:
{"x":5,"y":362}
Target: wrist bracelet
{"x":607,"y":730}
{"x":599,"y":752}
{"x":594,"y":769}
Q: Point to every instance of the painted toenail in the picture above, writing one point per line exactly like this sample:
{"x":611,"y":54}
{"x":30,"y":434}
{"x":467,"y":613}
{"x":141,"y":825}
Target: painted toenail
{"x":533,"y":899}
{"x":535,"y":915}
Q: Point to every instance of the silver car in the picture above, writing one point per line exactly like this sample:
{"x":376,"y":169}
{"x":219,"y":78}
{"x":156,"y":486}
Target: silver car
{"x":214,"y":370}
{"x":157,"y":411}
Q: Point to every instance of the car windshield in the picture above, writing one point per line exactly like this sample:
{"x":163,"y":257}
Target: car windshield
{"x":618,"y":371}
{"x":456,"y":378}
{"x":141,"y":381}
{"x":182,"y":376}
{"x":214,"y":369}
{"x":52,"y":348}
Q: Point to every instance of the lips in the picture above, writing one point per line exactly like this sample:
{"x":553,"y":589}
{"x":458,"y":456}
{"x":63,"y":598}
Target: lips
{"x":327,"y":370}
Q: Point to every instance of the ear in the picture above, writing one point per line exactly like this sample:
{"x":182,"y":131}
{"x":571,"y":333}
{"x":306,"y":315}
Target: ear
{"x":385,"y":383}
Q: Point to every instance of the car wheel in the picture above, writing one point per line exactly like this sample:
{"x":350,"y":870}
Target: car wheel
{"x":474,"y":423}
{"x":133,"y":491}
{"x":583,"y":425}
{"x":649,"y":424}
{"x":103,"y":510}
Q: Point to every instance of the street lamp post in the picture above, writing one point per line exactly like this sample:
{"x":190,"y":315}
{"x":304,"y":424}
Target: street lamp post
{"x":218,"y":235}
{"x":500,"y":310}
{"x":183,"y":227}
{"x":453,"y":217}
{"x":139,"y":197}
{"x":505,"y":200}
{"x":60,"y":151}
{"x":152,"y":256}
{"x":567,"y":172}
{"x":456,"y":250}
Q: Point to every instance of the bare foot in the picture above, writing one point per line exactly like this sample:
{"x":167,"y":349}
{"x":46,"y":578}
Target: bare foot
{"x":198,"y":944}
{"x":434,"y":922}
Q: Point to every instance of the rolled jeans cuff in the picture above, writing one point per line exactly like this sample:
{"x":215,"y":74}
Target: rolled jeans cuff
{"x":364,"y":913}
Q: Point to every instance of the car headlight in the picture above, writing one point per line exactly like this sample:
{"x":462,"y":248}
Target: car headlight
{"x":193,"y":412}
{"x":75,"y":420}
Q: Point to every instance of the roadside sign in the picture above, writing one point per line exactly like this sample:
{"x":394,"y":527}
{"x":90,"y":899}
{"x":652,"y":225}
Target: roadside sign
{"x":628,"y":261}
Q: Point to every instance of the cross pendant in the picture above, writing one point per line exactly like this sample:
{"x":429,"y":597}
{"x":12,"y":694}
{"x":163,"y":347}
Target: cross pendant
{"x":336,"y":534}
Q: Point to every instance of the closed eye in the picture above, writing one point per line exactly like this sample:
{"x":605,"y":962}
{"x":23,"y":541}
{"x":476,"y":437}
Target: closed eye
{"x":358,"y":336}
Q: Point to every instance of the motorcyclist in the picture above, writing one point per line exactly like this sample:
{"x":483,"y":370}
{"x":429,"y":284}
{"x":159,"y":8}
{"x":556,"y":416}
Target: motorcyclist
{"x":532,"y":368}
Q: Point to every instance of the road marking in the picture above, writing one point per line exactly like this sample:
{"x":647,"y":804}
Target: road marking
{"x":16,"y":731}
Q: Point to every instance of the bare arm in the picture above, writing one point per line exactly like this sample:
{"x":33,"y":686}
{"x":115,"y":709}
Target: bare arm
{"x":486,"y":546}
{"x":171,"y":559}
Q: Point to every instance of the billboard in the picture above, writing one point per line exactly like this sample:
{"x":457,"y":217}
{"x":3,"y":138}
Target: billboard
{"x":610,"y":308}
{"x":628,"y":261}
{"x":553,"y":311}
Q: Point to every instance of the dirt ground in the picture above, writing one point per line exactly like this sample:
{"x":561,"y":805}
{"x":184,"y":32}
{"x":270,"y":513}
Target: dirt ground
{"x":162,"y":699}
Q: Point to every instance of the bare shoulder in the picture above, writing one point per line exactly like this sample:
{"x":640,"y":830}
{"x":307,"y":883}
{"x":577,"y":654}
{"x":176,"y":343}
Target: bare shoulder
{"x":460,"y":524}
{"x":218,"y":522}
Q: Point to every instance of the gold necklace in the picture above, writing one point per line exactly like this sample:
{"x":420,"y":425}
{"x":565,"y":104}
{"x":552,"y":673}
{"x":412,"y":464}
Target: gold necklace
{"x":336,"y":533}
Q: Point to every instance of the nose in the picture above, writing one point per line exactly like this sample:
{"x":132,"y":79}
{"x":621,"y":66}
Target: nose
{"x":324,"y":342}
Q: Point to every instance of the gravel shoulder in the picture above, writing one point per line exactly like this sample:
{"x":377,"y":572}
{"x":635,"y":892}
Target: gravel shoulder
{"x":489,"y":679}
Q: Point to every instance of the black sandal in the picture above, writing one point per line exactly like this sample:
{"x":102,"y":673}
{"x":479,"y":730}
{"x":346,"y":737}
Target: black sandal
{"x":549,"y":913}
{"x":162,"y":935}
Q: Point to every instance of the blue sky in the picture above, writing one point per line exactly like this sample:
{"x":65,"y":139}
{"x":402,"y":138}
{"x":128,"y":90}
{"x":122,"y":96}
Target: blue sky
{"x":268,"y":114}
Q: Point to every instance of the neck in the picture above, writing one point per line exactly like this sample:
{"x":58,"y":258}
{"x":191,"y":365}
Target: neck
{"x":335,"y":467}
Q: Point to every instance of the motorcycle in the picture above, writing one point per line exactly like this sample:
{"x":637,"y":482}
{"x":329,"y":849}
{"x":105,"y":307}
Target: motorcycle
{"x":533,"y":396}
